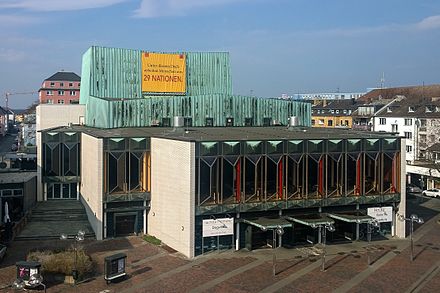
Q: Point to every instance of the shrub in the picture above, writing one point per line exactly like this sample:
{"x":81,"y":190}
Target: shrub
{"x":63,"y":262}
{"x":152,"y":239}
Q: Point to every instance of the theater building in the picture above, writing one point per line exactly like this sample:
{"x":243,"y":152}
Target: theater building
{"x":202,"y":169}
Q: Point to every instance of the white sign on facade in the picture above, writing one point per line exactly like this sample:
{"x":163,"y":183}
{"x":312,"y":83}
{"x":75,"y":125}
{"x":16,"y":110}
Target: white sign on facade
{"x":381,"y":214}
{"x":218,"y":227}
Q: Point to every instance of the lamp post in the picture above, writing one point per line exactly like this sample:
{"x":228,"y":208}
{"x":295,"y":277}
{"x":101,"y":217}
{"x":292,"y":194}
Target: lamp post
{"x":371,"y":225}
{"x":413,"y":218}
{"x":324,"y":227}
{"x":78,"y":237}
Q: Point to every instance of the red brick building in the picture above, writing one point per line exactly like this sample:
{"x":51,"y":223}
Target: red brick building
{"x":61,"y":88}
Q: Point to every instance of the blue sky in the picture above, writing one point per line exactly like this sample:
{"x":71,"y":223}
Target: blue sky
{"x":276,"y":46}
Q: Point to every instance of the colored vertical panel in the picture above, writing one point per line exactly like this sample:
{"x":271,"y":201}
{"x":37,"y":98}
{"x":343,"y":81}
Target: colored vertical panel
{"x":280,"y":179}
{"x":238,"y":181}
{"x":163,"y":73}
{"x":358,"y":176}
{"x":321,"y":175}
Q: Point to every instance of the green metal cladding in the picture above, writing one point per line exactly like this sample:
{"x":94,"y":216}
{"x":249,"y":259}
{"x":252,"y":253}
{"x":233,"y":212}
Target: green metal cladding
{"x":111,"y":91}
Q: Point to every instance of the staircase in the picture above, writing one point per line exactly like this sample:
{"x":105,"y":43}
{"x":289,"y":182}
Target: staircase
{"x":50,"y":219}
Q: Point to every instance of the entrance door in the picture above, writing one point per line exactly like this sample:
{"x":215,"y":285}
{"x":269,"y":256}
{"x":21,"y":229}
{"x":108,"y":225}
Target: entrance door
{"x":61,"y":191}
{"x":125,"y":224}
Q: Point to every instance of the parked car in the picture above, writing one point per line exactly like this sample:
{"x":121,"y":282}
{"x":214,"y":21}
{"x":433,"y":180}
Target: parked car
{"x":432,"y":192}
{"x":411,"y":188}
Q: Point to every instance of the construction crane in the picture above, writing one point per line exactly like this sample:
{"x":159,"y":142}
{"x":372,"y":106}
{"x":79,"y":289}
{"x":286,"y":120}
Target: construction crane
{"x":7,"y":94}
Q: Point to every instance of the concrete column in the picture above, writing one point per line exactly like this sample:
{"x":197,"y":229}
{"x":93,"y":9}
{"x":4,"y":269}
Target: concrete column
{"x":237,"y":236}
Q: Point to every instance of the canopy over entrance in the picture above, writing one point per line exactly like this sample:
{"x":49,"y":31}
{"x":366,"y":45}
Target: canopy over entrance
{"x":312,"y":220}
{"x":352,"y":217}
{"x":268,"y":223}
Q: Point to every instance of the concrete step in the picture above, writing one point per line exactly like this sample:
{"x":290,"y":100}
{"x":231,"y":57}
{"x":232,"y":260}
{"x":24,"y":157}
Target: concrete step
{"x":50,"y":219}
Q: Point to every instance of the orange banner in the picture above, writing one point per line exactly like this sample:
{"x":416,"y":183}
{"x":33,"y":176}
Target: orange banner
{"x":163,"y":73}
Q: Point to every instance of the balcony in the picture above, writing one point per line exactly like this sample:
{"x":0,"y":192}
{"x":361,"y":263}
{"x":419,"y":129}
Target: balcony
{"x":361,"y":127}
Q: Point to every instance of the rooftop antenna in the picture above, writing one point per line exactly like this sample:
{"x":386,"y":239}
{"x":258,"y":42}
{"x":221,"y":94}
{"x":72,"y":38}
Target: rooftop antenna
{"x":382,"y":80}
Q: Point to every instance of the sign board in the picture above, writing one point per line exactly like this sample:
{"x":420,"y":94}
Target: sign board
{"x":381,"y":214}
{"x":218,"y":227}
{"x":163,"y":73}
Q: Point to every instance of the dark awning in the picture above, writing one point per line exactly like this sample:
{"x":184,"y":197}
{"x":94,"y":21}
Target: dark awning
{"x":268,"y":223}
{"x":352,"y":217}
{"x":311,"y":220}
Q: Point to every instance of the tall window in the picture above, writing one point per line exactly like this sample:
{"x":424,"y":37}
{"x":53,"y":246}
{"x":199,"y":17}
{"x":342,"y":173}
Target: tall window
{"x":408,"y":135}
{"x":61,"y":93}
{"x":382,"y":121}
{"x":73,"y":93}
{"x":408,"y":122}
{"x":49,"y":93}
{"x":330,"y":122}
{"x":60,"y":101}
{"x":408,"y":148}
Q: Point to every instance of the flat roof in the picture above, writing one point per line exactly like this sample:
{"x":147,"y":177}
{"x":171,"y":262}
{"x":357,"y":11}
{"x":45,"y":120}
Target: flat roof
{"x":16,"y":177}
{"x":312,"y":220}
{"x":268,"y":223}
{"x":226,"y":133}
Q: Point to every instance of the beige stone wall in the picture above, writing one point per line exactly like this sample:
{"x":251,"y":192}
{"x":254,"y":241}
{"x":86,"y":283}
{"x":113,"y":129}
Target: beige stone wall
{"x":172,"y":213}
{"x":91,"y":187}
{"x":49,"y":116}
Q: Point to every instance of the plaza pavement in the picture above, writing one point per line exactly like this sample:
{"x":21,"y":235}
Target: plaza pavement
{"x":157,"y":269}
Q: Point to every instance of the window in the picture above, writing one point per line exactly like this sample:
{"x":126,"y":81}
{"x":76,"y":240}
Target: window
{"x":52,"y":84}
{"x":344,"y":111}
{"x":394,"y":128}
{"x":422,"y":122}
{"x":79,"y":84}
{"x":61,"y":83}
{"x":382,"y":121}
{"x":49,"y":93}
{"x":330,"y":122}
{"x":313,"y":121}
{"x":61,"y":93}
{"x":346,"y":123}
{"x":410,"y":109}
{"x":337,"y":111}
{"x":408,"y":148}
{"x":60,"y":101}
{"x":73,"y":93}
{"x":49,"y":101}
{"x":70,"y":84}
{"x":408,"y":135}
{"x":408,"y":122}
{"x":389,"y":109}
{"x":321,"y":122}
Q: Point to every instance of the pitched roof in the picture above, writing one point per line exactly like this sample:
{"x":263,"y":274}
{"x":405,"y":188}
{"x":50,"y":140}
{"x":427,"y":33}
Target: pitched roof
{"x":410,"y":92}
{"x":64,"y":76}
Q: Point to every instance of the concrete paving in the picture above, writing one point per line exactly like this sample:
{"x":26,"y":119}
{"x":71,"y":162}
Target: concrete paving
{"x":155,"y":269}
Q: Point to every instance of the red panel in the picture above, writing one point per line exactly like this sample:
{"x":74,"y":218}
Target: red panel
{"x":238,"y":181}
{"x":393,"y":175}
{"x":320,"y":176}
{"x":280,"y":180}
{"x":358,"y":176}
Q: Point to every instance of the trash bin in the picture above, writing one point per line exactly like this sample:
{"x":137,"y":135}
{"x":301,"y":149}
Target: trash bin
{"x":114,"y":266}
{"x":26,"y":269}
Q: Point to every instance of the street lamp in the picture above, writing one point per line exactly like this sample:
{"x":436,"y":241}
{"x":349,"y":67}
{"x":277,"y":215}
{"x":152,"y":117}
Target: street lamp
{"x":275,"y":231}
{"x":78,"y":237}
{"x":413,"y":218}
{"x":324,"y":227}
{"x":371,"y":225}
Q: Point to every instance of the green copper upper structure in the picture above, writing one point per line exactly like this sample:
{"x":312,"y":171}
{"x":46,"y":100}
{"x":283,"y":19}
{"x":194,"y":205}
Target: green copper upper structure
{"x":111,"y":89}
